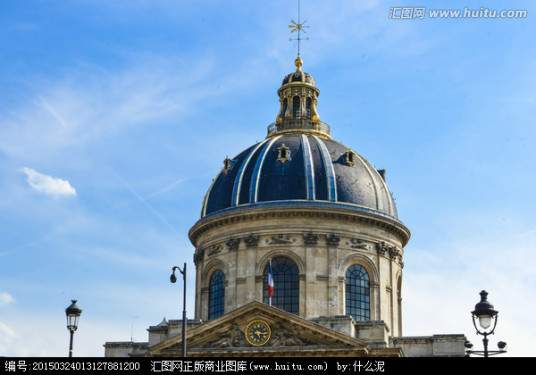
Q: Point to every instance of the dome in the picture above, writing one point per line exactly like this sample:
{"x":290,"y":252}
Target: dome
{"x":298,"y":76}
{"x":298,"y":164}
{"x":298,"y":169}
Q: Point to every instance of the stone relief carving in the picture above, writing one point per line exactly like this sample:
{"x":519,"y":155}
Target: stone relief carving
{"x":357,"y":244}
{"x":199,"y":255}
{"x":252,"y":240}
{"x":394,"y":253}
{"x":234,"y":337}
{"x":383,"y":249}
{"x":284,"y":337}
{"x":280,"y":239}
{"x":214,"y":249}
{"x":333,"y":239}
{"x":310,"y":238}
{"x":232,"y":243}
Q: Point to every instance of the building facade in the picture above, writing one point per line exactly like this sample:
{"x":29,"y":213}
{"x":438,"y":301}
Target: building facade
{"x":298,"y":251}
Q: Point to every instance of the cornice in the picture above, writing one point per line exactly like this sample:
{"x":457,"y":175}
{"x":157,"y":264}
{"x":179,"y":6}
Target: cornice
{"x":386,"y":223}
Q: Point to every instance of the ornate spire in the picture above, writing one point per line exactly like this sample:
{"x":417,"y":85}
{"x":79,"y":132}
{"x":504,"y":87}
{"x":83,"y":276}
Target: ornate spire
{"x":298,"y":96}
{"x":298,"y":27}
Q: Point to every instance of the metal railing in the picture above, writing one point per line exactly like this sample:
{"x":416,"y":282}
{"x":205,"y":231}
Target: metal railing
{"x":298,"y":124}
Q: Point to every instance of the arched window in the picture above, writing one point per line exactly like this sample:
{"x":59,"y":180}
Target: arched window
{"x":284,"y":108}
{"x":216,"y":297}
{"x":357,"y":293}
{"x":286,"y":285}
{"x":296,"y":107}
{"x":308,"y":105}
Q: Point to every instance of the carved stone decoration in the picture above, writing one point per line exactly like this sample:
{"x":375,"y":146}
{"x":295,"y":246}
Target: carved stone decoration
{"x":252,"y":240}
{"x":310,"y":238}
{"x":285,"y":337}
{"x":199,"y":255}
{"x":358,"y":244}
{"x":394,"y":253}
{"x":381,"y":248}
{"x":232,"y":338}
{"x":232,"y":243}
{"x":214,"y":249}
{"x":333,"y":239}
{"x":280,"y":239}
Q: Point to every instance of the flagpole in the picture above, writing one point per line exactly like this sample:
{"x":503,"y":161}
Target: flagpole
{"x":270,"y":281}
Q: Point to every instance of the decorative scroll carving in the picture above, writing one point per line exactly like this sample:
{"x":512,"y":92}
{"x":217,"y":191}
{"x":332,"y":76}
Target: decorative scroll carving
{"x":310,"y":238}
{"x":280,"y":239}
{"x":252,"y":240}
{"x":381,"y":248}
{"x":394,"y":253}
{"x":232,"y":243}
{"x":333,"y":239}
{"x":214,"y":249}
{"x":358,"y":244}
{"x":391,"y":251}
{"x":199,"y":255}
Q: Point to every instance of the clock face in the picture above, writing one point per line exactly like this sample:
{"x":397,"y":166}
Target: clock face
{"x":258,"y":332}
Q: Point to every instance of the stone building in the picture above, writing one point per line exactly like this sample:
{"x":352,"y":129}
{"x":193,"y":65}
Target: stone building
{"x":315,"y":217}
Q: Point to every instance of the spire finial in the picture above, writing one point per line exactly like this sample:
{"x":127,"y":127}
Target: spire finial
{"x":299,"y":27}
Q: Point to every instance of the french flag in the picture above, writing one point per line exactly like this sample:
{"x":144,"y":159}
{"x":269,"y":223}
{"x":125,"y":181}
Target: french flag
{"x":270,"y":280}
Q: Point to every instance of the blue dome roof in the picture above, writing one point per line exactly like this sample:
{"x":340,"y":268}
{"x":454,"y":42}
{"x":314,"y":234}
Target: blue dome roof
{"x":298,"y":169}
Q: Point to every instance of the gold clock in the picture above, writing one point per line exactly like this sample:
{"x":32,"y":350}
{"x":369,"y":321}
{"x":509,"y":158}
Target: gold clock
{"x":258,"y":332}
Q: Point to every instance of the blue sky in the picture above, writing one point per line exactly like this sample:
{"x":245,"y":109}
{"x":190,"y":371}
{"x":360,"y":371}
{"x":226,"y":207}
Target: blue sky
{"x":116,"y":115}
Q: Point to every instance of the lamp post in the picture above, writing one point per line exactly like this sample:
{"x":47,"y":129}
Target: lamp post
{"x":486,"y":316}
{"x":73,"y":313}
{"x":173,"y":279}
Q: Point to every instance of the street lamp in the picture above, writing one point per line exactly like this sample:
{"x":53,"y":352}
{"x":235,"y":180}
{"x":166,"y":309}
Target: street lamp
{"x":173,"y":279}
{"x":73,"y":314}
{"x":486,"y":316}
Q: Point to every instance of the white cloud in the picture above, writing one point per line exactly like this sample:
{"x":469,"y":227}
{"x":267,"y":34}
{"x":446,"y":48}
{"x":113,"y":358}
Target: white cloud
{"x":452,"y":274}
{"x":7,"y":335}
{"x":6,"y":299}
{"x":48,"y":185}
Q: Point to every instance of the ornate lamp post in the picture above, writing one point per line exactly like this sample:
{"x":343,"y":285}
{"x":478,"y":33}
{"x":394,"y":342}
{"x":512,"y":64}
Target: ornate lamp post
{"x":73,"y":314}
{"x":486,"y":316}
{"x":173,"y":279}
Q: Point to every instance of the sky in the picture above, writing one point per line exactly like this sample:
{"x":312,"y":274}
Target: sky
{"x":116,"y":115}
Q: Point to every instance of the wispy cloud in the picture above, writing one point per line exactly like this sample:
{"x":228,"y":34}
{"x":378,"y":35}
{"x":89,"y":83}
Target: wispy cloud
{"x":53,"y":186}
{"x":7,"y":335}
{"x":144,"y":202}
{"x":6,"y":299}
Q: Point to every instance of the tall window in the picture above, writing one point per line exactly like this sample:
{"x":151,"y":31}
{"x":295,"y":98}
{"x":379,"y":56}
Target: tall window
{"x":308,"y":106}
{"x":286,"y":285}
{"x":296,"y":107}
{"x":357,"y":293}
{"x":216,"y":298}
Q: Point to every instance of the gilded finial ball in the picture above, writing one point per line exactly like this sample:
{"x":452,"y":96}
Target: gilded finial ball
{"x":298,"y":62}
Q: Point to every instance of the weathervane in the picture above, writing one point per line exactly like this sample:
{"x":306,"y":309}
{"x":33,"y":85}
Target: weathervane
{"x":299,"y":27}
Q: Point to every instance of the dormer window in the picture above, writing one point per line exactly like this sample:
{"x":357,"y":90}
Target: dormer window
{"x":283,"y":153}
{"x":227,"y":164}
{"x":349,"y":158}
